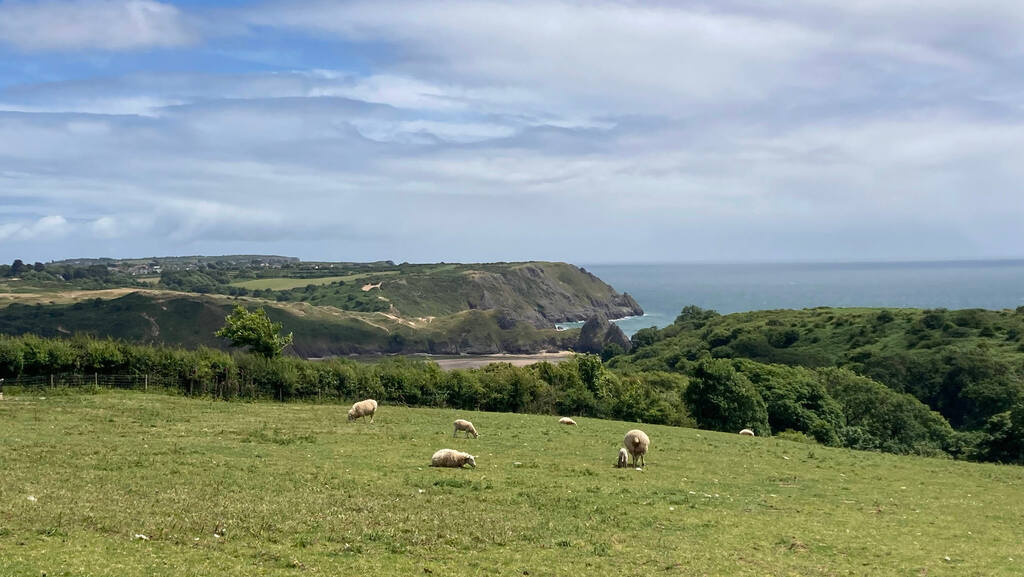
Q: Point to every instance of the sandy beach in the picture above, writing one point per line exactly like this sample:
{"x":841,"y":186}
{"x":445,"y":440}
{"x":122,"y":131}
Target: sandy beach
{"x":477,"y":361}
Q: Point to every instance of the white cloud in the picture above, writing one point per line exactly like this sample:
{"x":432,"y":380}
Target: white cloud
{"x":45,"y":228}
{"x":603,"y":52}
{"x":108,"y":25}
{"x":575,"y":130}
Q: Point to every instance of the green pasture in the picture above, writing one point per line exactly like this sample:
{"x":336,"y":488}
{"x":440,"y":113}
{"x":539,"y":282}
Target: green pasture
{"x":285,"y":283}
{"x":134,"y":484}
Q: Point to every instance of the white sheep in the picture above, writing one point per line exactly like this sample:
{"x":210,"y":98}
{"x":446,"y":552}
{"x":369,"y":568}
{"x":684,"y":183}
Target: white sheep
{"x":362,"y":409}
{"x":464,"y":425}
{"x":636,"y":443}
{"x":452,"y":458}
{"x":566,"y":421}
{"x":623,"y":459}
{"x":748,"y":433}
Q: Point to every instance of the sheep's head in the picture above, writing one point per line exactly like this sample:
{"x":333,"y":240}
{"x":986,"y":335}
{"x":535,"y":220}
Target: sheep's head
{"x":351,"y":415}
{"x":471,"y":461}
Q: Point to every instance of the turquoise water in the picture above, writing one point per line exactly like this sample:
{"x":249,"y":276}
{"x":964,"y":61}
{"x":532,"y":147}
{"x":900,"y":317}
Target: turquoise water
{"x":664,"y":289}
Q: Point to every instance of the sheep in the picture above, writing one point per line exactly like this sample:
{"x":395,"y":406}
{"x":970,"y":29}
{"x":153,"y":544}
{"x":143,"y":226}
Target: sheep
{"x":566,"y":421}
{"x":362,"y":409}
{"x":636,"y":442}
{"x":464,"y":425}
{"x":452,"y":458}
{"x":748,"y":433}
{"x":623,"y":459}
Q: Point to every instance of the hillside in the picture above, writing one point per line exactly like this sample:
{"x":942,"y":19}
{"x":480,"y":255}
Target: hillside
{"x":333,"y":308}
{"x":190,"y":320}
{"x":967,"y":364}
{"x":148,"y":485}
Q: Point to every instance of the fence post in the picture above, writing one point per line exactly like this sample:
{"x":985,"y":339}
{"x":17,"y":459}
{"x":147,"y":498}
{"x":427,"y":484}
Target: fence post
{"x":51,"y":380}
{"x":95,"y":379}
{"x":146,"y":386}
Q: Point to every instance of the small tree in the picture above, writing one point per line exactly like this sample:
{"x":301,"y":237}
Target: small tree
{"x":254,"y":330}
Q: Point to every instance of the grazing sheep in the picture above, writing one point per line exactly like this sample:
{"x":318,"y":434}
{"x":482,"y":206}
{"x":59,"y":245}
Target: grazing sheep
{"x":623,"y":459}
{"x":748,"y":433}
{"x":464,"y":425}
{"x":566,"y":421}
{"x":636,"y":442}
{"x":452,"y":458}
{"x":362,"y":409}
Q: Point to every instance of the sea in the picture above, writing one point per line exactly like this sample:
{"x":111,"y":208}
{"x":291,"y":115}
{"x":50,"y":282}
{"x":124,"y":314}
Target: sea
{"x":664,"y":289}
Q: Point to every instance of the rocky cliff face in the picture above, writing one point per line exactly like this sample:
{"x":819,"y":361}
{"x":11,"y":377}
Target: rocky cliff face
{"x":597,"y":333}
{"x":542,"y":294}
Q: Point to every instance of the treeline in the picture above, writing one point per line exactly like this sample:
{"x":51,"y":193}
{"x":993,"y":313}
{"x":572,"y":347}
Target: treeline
{"x":92,"y":277}
{"x":831,"y":406}
{"x":581,"y":386}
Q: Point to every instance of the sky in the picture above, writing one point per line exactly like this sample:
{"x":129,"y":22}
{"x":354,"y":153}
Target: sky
{"x":454,"y":130}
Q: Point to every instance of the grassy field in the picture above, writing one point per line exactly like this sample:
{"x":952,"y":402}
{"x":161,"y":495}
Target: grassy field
{"x":283,"y":283}
{"x":272,"y":489}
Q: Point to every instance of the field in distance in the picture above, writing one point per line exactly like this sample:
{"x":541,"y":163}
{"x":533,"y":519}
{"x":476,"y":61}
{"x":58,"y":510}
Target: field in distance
{"x":288,"y":283}
{"x":145,"y":484}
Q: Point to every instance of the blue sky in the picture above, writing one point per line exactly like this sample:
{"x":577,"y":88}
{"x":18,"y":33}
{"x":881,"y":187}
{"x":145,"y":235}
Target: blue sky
{"x":477,"y":131}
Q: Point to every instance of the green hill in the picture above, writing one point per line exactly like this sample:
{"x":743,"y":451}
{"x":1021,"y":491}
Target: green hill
{"x":333,"y":308}
{"x":966,"y":364}
{"x":132,"y":484}
{"x":190,"y":320}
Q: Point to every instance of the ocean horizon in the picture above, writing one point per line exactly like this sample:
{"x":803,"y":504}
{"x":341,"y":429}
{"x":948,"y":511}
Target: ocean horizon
{"x":664,"y":289}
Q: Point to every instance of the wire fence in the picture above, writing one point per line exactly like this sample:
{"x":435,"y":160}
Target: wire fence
{"x":124,"y":381}
{"x":140,"y":382}
{"x":223,"y":388}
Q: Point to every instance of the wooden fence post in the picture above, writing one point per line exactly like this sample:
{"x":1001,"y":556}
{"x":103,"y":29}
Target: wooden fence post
{"x":146,"y":386}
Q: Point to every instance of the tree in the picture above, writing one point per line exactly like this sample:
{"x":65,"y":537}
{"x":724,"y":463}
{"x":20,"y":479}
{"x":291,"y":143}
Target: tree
{"x":254,"y":330}
{"x":719,"y":398}
{"x":644,"y":337}
{"x":1003,"y":437}
{"x":17,"y":267}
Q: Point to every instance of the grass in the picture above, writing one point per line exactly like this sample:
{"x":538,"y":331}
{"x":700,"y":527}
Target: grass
{"x":284,"y":283}
{"x":271,"y":489}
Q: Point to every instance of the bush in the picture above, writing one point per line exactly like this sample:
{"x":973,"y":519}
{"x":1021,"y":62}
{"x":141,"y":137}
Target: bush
{"x":795,"y":436}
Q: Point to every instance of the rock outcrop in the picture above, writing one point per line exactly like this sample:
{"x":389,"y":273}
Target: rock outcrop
{"x":597,"y":333}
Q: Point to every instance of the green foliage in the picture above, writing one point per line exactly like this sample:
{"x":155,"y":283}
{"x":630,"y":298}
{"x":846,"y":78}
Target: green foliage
{"x":878,"y":418}
{"x":580,"y":386}
{"x":254,"y":330}
{"x":968,"y":365}
{"x":796,"y":400}
{"x":721,"y":399}
{"x":1002,"y":438}
{"x":644,"y":337}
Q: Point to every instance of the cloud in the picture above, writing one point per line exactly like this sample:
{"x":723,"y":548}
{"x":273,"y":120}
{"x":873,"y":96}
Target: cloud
{"x":45,"y":228}
{"x":106,"y":25}
{"x":586,"y":131}
{"x":610,"y":54}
